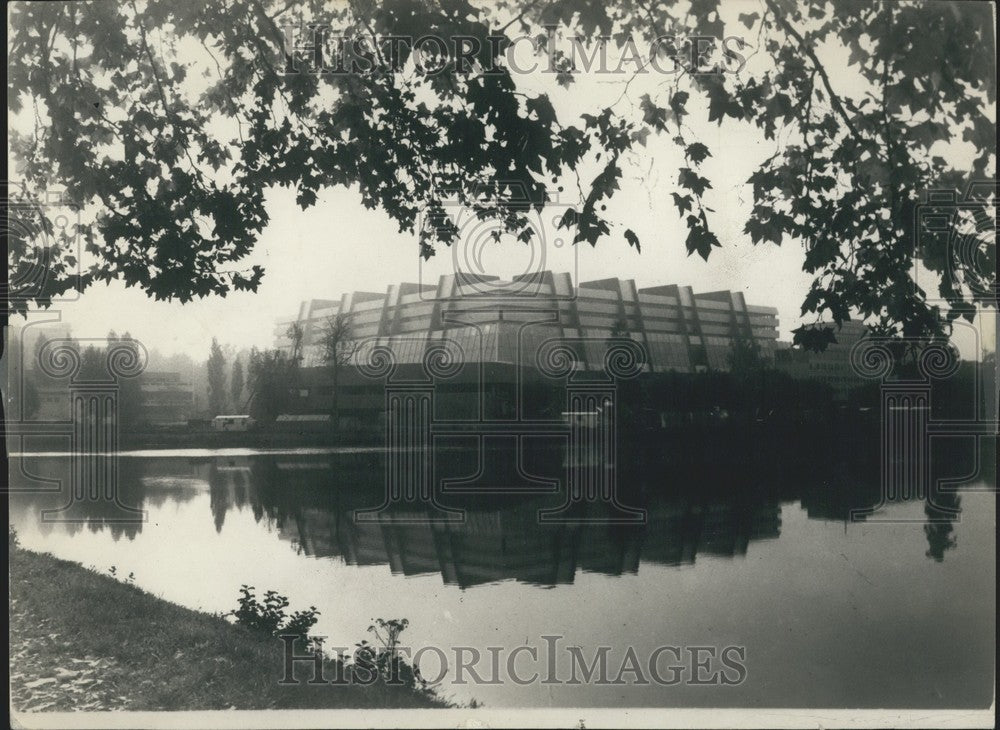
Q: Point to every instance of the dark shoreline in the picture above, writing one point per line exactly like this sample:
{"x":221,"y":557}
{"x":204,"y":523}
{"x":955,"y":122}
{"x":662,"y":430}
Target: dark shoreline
{"x":735,"y":432}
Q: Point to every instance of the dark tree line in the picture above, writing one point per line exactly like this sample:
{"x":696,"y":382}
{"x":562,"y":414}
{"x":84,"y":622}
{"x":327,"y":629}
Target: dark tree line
{"x":261,"y":390}
{"x":28,"y":385}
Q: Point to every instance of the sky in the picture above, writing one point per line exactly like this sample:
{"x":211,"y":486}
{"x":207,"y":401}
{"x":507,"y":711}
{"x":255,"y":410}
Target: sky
{"x":339,"y":245}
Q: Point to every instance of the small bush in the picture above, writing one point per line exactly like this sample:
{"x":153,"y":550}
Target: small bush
{"x":268,"y":616}
{"x":380,"y":661}
{"x":383,"y":658}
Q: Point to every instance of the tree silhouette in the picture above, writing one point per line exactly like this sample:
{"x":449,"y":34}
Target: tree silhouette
{"x":744,"y":358}
{"x":236,"y":383}
{"x":748,"y":369}
{"x":296,"y":336}
{"x":177,"y":171}
{"x":216,"y":379}
{"x":22,"y":397}
{"x":339,"y":347}
{"x":130,"y":396}
{"x":942,"y":513}
{"x":270,"y":376}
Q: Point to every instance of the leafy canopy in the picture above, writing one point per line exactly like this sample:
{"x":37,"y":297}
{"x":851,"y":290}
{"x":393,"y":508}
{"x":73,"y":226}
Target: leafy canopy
{"x":172,"y":120}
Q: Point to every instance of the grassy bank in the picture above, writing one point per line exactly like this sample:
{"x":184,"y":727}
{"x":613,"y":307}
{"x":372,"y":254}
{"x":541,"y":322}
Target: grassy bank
{"x":81,"y":640}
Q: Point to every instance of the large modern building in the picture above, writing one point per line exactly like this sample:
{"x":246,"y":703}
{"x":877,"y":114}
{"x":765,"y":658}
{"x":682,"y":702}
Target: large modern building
{"x":501,"y":321}
{"x":506,"y":339}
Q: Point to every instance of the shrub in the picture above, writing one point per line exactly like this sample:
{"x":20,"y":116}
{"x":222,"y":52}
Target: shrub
{"x":384,"y":658}
{"x":268,"y":616}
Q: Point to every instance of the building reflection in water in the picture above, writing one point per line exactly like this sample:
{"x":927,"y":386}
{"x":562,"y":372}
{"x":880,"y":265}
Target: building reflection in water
{"x":491,"y":544}
{"x":701,"y":511}
{"x":692,"y":510}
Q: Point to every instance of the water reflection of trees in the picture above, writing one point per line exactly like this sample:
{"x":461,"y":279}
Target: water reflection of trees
{"x":695,"y":507}
{"x":142,"y":484}
{"x":942,"y":510}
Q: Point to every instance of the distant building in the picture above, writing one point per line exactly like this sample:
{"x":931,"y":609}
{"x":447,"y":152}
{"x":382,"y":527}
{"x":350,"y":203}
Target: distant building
{"x":167,"y":399}
{"x":681,"y":330}
{"x":53,"y":402}
{"x":832,"y":366}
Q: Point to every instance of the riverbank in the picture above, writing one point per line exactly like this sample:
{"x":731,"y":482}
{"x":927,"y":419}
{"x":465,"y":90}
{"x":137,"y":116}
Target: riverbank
{"x":80,"y":640}
{"x":729,"y":430}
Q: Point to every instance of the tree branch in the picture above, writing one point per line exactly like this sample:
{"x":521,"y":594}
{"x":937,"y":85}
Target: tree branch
{"x":808,"y":50}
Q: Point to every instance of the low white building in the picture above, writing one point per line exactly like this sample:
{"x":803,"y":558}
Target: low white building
{"x":233,"y":423}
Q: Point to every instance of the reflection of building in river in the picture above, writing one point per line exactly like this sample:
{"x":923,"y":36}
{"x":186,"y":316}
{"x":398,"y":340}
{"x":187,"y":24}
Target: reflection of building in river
{"x":679,"y":530}
{"x":509,"y":544}
{"x":310,"y":501}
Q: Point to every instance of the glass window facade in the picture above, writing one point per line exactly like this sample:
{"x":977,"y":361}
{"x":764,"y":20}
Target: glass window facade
{"x":497,"y":322}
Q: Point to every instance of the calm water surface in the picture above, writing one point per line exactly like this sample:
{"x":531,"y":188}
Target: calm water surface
{"x":832,"y":612}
